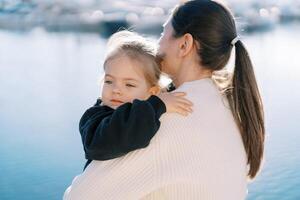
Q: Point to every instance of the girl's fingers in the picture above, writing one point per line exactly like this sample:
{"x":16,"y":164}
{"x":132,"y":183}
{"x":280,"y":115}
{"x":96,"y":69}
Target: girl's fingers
{"x":184,"y":108}
{"x":180,"y":97}
{"x":185,"y":101}
{"x":189,"y":109}
{"x":178,"y":94}
{"x":182,"y":112}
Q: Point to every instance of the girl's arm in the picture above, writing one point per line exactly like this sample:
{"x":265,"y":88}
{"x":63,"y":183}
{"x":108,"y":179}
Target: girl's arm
{"x":108,"y":133}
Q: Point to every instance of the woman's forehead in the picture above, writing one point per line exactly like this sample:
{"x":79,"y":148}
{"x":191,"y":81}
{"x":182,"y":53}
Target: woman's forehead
{"x":167,"y":24}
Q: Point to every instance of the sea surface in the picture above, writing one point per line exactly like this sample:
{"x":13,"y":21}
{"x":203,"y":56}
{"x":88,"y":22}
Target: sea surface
{"x":47,"y":80}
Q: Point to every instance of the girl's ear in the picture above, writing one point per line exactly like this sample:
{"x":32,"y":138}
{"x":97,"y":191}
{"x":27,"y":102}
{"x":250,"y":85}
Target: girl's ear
{"x":154,"y":90}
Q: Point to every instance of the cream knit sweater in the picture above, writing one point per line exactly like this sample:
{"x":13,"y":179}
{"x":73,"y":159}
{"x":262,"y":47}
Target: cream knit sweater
{"x":196,"y":157}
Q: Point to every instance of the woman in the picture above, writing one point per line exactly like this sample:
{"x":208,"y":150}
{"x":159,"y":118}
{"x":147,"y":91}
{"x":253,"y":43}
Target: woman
{"x":209,"y":154}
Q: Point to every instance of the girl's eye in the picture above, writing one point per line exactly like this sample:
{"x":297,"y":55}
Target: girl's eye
{"x":129,"y":85}
{"x":108,"y":82}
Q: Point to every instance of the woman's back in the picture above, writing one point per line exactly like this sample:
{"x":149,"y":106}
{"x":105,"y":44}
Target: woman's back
{"x":202,"y":153}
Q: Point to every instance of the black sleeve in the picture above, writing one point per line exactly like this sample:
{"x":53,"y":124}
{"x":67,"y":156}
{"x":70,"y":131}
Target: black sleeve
{"x":108,"y":133}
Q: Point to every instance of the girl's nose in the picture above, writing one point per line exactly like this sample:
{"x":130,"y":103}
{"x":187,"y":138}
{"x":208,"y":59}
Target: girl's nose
{"x":116,"y":90}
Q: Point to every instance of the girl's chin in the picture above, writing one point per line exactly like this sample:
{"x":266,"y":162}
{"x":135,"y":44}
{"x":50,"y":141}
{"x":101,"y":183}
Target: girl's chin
{"x":114,"y":107}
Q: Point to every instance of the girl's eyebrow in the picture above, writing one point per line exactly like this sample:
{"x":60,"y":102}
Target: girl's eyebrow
{"x":126,"y":79}
{"x":108,"y":75}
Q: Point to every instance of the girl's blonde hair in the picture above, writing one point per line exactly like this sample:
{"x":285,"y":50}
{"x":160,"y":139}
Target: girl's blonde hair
{"x":138,"y":49}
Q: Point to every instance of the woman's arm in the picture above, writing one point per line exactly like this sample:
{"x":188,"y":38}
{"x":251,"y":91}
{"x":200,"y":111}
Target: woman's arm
{"x":108,"y":133}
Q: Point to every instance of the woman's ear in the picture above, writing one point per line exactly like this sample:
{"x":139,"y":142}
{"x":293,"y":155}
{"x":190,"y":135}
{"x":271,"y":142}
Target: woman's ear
{"x":154,"y":90}
{"x":186,"y":44}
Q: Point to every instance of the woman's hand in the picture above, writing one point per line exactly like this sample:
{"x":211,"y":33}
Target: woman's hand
{"x":176,"y":102}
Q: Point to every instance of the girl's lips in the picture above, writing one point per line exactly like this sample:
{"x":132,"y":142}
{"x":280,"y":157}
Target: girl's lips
{"x":115,"y":101}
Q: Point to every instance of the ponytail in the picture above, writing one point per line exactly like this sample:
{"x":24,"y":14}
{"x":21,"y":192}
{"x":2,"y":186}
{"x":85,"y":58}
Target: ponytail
{"x":246,"y":105}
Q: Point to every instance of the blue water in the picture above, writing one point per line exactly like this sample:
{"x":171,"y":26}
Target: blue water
{"x":47,"y":80}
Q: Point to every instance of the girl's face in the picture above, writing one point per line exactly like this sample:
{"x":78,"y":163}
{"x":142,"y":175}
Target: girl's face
{"x":124,"y":81}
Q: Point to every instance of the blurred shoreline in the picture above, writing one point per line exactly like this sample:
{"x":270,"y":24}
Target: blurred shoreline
{"x":105,"y":18}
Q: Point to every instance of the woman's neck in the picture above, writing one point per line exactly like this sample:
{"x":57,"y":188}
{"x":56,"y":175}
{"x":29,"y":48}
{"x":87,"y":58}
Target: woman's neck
{"x":191,"y":73}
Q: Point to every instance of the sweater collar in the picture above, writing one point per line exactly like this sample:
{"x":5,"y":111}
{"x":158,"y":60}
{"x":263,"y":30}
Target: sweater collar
{"x":195,"y":83}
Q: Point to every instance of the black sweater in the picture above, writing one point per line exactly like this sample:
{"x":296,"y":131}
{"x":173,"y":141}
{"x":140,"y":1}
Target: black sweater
{"x":107,"y":133}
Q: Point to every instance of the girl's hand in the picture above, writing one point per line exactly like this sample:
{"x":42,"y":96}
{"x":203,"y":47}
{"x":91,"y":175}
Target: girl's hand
{"x":176,"y":102}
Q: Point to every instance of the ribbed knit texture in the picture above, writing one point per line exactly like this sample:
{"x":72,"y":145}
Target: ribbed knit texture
{"x":200,"y":156}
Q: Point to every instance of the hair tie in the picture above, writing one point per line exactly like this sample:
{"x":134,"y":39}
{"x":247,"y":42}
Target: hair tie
{"x":234,"y":40}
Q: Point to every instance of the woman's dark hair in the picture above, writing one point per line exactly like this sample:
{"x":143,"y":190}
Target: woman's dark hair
{"x":213,"y":27}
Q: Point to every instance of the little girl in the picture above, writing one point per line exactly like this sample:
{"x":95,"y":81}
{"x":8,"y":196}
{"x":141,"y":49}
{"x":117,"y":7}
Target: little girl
{"x":127,"y":115}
